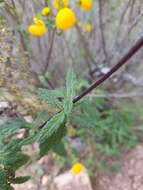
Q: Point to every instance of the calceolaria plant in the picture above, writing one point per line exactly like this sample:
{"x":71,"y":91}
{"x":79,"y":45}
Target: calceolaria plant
{"x":49,"y":135}
{"x":48,"y":131}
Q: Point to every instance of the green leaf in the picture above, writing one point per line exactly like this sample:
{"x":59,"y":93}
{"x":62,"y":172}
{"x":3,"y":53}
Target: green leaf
{"x":4,"y":180}
{"x":82,"y":84}
{"x":53,"y":140}
{"x":51,"y":126}
{"x":20,"y":180}
{"x":12,"y":156}
{"x":51,"y":97}
{"x":29,"y":140}
{"x":6,"y":187}
{"x":3,"y":177}
{"x":1,"y":1}
{"x":13,"y":126}
{"x":15,"y":160}
{"x":41,"y":118}
{"x":59,"y":149}
{"x":70,"y":91}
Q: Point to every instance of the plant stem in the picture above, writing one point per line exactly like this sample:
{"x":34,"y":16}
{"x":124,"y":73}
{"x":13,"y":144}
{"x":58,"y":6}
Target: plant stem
{"x":120,"y":63}
{"x":50,"y":50}
{"x":102,"y":29}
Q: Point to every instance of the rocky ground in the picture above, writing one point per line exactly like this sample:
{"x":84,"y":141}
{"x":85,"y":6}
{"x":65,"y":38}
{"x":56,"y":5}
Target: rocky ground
{"x":130,"y":176}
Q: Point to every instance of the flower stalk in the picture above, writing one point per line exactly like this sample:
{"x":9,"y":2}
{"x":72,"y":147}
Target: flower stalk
{"x":124,"y":60}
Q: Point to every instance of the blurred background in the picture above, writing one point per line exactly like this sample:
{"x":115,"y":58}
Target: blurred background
{"x":113,"y":111}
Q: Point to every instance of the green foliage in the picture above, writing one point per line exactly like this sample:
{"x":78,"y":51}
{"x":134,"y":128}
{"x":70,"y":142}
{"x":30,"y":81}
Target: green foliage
{"x":3,"y":177}
{"x":47,"y":130}
{"x":61,"y":98}
{"x":59,"y":148}
{"x":12,"y":126}
{"x":51,"y":134}
{"x":19,"y":180}
{"x":51,"y":126}
{"x":6,"y":187}
{"x":11,"y":156}
{"x":51,"y":97}
{"x":7,"y":176}
{"x":1,"y":3}
{"x":70,"y":91}
{"x":54,"y":142}
{"x":107,"y":129}
{"x":104,"y":127}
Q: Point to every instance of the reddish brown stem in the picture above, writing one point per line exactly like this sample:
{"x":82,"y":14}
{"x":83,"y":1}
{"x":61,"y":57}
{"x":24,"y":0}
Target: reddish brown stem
{"x":120,"y":63}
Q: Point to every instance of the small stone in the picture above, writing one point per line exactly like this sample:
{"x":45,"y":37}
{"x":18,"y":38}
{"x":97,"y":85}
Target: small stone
{"x":70,"y":181}
{"x":4,"y":105}
{"x":105,"y":70}
{"x":28,"y":118}
{"x":45,"y":180}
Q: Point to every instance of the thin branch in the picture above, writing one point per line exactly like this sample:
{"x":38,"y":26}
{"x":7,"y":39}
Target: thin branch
{"x":101,"y":26}
{"x":124,"y":12}
{"x":89,"y":58}
{"x":129,"y":78}
{"x":50,"y":50}
{"x":68,"y":48}
{"x":122,"y":18}
{"x":121,"y":62}
{"x":131,"y":10}
{"x":123,"y":95}
{"x":126,"y":38}
{"x":50,"y":84}
{"x":135,"y":22}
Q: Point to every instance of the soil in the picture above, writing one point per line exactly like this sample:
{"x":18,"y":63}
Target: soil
{"x":130,"y":176}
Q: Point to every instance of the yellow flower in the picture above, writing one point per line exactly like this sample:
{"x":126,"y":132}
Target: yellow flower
{"x":78,"y":168}
{"x":86,"y":4}
{"x":88,"y":27}
{"x":56,"y":4}
{"x":65,"y":19}
{"x":37,"y":29}
{"x":46,"y":11}
{"x":38,"y":21}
